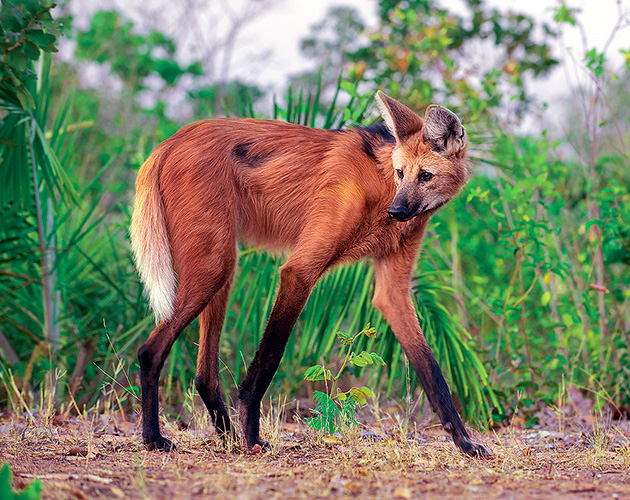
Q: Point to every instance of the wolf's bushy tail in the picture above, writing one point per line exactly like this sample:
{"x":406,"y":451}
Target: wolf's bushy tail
{"x":149,"y":241}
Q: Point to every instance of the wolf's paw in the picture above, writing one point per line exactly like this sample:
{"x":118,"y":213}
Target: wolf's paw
{"x":160,"y":444}
{"x":473,"y":449}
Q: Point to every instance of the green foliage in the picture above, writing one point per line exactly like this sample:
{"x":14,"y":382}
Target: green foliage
{"x":336,"y":410}
{"x":420,"y":39}
{"x":26,"y":29}
{"x":131,"y":56}
{"x":565,"y":14}
{"x":229,"y":97}
{"x":127,"y":124}
{"x":32,"y":492}
{"x":540,"y":290}
{"x":422,"y":49}
{"x":25,"y":140}
{"x":89,"y":272}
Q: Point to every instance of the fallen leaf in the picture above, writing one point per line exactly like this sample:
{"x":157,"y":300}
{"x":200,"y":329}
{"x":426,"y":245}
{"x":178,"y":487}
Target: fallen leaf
{"x":118,"y":492}
{"x":98,"y":479}
{"x":402,"y":492}
{"x":79,"y":494}
{"x":353,"y":487}
{"x":78,"y":451}
{"x":82,"y":451}
{"x":330,"y":440}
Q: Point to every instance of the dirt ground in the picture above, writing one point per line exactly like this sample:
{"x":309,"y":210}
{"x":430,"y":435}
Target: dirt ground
{"x":102,"y":457}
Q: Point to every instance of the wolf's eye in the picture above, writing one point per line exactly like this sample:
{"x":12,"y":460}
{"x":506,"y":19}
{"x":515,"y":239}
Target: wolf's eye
{"x":399,"y":173}
{"x":425,"y":176}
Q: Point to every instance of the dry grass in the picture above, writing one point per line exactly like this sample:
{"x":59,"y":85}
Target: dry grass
{"x":100,"y":456}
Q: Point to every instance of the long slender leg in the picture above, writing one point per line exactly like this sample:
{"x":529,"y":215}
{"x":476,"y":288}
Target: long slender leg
{"x":207,"y":379}
{"x":392,"y":297}
{"x":195,"y":290}
{"x":152,"y":356}
{"x":296,"y":283}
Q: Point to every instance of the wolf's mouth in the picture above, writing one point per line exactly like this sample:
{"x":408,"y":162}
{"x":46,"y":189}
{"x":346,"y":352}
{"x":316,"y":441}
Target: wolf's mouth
{"x":425,"y":210}
{"x":405,"y":217}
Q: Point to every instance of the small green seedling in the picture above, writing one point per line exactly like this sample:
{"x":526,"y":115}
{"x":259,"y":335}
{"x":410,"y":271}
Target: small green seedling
{"x":32,"y":492}
{"x":337,"y":409}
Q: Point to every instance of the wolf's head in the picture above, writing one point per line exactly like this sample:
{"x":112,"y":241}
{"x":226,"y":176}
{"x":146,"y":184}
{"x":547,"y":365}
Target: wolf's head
{"x":429,"y":158}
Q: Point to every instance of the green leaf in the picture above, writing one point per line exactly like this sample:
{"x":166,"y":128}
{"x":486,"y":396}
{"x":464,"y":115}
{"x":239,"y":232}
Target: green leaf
{"x":317,"y":372}
{"x":348,"y":412}
{"x":17,"y":59}
{"x":31,"y":50}
{"x":368,"y":357}
{"x":378,"y":359}
{"x":25,"y":98}
{"x":565,"y":15}
{"x":350,"y":88}
{"x":344,"y":338}
{"x":325,"y":414}
{"x":367,"y":392}
{"x":363,"y":359}
{"x":358,"y":395}
{"x":545,"y":298}
{"x":44,"y":40}
{"x":358,"y":360}
{"x":5,"y":482}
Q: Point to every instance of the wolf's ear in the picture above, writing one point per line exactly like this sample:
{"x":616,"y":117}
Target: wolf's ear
{"x":400,"y":120}
{"x":443,"y":130}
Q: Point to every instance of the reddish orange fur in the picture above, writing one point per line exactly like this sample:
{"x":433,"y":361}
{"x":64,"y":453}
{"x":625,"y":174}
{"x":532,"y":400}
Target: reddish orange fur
{"x":317,"y":188}
{"x":324,"y":195}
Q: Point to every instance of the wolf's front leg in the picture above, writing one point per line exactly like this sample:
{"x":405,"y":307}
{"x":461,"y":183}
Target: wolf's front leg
{"x":296,"y":283}
{"x":392,"y":297}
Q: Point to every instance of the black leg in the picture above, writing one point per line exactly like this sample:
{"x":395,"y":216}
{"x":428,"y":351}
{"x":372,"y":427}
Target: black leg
{"x":207,"y":379}
{"x":392,"y":297}
{"x":151,"y":357}
{"x":153,"y":354}
{"x":439,"y":395}
{"x":295,"y":288}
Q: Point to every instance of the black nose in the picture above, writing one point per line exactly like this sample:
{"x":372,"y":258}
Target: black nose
{"x":398,"y":212}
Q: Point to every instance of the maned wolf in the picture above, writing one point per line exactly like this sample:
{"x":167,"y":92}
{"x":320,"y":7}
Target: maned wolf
{"x":329,"y":196}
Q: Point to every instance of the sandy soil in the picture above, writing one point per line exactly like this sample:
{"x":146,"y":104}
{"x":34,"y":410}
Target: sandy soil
{"x":102,"y":457}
